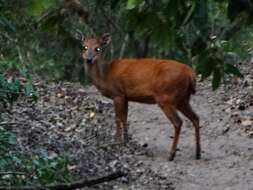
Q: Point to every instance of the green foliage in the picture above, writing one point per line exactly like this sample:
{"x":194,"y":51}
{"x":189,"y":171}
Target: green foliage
{"x":217,"y":75}
{"x":25,"y":169}
{"x":45,"y":39}
{"x":50,"y":169}
{"x":7,"y":139}
{"x":12,"y":87}
{"x":231,"y":69}
{"x":11,"y":90}
{"x":37,"y":7}
{"x":215,"y":61}
{"x":41,"y":34}
{"x":195,"y":32}
{"x":131,"y":4}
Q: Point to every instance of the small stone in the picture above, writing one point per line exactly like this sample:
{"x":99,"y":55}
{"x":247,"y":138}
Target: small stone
{"x":228,"y":110}
{"x":124,"y":179}
{"x":230,"y":102}
{"x":245,"y":83}
{"x":250,"y":134}
{"x":224,"y":131}
{"x":91,"y":115}
{"x":241,"y":106}
{"x":238,"y":101}
{"x":60,"y":95}
{"x":144,"y":145}
{"x":247,"y":122}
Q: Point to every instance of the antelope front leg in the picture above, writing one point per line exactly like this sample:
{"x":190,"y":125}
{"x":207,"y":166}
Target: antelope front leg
{"x":121,"y":109}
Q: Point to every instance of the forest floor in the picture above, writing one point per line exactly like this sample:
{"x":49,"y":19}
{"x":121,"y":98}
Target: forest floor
{"x":79,"y":121}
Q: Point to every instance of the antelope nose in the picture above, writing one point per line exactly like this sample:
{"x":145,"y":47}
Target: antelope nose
{"x":90,"y":56}
{"x":89,"y":61}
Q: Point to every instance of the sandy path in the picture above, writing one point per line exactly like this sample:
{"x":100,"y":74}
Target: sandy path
{"x":227,"y":157}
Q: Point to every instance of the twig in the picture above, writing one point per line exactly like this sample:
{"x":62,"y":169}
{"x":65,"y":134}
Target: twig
{"x":89,"y":138}
{"x":8,"y":123}
{"x":11,"y":92}
{"x":110,"y":144}
{"x":123,"y":47}
{"x":12,"y":173}
{"x":69,"y":186}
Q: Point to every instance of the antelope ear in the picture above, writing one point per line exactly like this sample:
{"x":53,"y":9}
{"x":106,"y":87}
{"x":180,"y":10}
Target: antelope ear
{"x":106,"y":39}
{"x":80,"y":36}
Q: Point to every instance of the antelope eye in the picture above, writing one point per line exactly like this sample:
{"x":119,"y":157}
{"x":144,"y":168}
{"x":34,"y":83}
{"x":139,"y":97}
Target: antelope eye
{"x":85,"y":48}
{"x":97,"y":49}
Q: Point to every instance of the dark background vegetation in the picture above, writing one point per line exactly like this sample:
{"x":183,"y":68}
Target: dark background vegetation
{"x":39,"y":38}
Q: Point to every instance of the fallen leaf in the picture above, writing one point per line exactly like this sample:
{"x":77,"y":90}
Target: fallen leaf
{"x":92,"y":114}
{"x":247,"y":122}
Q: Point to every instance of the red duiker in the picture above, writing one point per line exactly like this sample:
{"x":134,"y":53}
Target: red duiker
{"x":167,"y":83}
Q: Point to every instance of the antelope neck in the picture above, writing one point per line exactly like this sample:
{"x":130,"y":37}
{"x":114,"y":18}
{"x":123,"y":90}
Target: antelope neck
{"x":98,"y":71}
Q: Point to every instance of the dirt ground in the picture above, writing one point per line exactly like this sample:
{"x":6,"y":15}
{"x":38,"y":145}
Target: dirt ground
{"x":79,"y":121}
{"x":227,"y":153}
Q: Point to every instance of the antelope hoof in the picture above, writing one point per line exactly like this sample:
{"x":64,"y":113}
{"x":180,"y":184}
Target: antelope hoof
{"x":126,"y":139}
{"x":172,"y":156}
{"x":198,"y":155}
{"x":122,"y":140}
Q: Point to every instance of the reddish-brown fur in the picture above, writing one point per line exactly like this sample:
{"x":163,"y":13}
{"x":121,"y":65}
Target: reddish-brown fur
{"x":167,"y":83}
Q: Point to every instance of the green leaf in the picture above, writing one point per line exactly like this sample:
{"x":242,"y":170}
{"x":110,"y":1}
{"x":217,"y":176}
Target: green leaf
{"x":30,"y":91}
{"x":131,"y":4}
{"x":7,"y":138}
{"x":231,"y":69}
{"x":216,"y":78}
{"x":37,"y":7}
{"x":205,"y":67}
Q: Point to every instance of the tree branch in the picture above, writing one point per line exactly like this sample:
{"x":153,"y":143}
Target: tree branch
{"x":69,"y":186}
